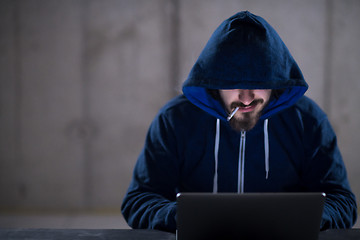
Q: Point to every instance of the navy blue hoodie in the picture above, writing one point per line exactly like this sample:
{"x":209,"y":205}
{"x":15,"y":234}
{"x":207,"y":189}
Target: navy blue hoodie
{"x":190,"y":146}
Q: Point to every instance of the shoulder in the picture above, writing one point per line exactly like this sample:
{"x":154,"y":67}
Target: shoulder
{"x":179,"y":112}
{"x":309,"y":122}
{"x":181,"y":120}
{"x":309,"y":111}
{"x":180,"y":107}
{"x":178,"y":102}
{"x":308,"y":106}
{"x":305,"y":115}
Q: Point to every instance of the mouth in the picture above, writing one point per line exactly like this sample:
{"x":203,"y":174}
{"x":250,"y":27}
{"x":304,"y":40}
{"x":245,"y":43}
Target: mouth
{"x":242,"y":109}
{"x":248,"y":108}
{"x":245,"y":108}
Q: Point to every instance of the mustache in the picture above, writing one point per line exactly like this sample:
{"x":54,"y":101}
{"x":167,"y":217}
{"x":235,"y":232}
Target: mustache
{"x":240,"y":104}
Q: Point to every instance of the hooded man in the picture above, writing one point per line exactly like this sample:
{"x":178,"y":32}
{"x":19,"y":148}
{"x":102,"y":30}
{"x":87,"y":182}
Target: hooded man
{"x":242,"y":124}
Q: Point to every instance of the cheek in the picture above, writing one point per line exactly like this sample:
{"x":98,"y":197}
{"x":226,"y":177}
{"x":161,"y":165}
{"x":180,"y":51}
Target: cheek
{"x":226,"y":97}
{"x":264,"y":94}
{"x":268,"y":95}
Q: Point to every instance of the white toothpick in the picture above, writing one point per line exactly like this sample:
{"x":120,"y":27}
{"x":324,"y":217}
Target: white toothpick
{"x":232,"y":114}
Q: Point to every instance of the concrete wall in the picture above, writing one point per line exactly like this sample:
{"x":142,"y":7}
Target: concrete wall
{"x":80,"y":83}
{"x":81,"y":80}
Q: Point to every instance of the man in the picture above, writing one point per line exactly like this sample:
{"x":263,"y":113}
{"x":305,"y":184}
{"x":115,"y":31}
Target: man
{"x":242,"y":125}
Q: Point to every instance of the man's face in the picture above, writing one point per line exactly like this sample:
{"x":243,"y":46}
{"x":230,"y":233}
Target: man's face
{"x":251,"y":102}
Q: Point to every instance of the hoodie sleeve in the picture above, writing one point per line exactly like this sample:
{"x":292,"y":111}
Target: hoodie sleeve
{"x":150,"y":201}
{"x":326,"y":172}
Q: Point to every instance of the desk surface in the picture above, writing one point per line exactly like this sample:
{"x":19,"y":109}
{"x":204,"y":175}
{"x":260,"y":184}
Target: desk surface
{"x":127,"y":234}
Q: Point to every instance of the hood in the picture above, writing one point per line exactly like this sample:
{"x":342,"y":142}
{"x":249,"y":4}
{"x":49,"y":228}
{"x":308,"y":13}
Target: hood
{"x":244,"y":52}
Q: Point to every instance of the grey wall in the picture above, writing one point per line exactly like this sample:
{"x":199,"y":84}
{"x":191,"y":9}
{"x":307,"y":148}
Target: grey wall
{"x":80,"y":82}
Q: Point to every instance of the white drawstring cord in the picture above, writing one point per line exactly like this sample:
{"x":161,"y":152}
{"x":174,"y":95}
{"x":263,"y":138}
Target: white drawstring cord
{"x":241,"y":164}
{"x":266,"y":146}
{"x":216,"y":153}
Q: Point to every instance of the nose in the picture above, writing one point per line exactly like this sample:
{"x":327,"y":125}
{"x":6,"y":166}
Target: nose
{"x":246,"y":96}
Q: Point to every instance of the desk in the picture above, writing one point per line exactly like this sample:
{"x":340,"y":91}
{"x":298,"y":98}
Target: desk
{"x":127,"y":234}
{"x":84,"y":234}
{"x":340,"y":234}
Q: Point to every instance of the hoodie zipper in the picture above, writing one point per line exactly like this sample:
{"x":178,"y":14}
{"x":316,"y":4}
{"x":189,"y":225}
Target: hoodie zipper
{"x":241,"y":162}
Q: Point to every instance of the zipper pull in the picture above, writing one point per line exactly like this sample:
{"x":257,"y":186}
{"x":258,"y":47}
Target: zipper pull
{"x":243,"y":134}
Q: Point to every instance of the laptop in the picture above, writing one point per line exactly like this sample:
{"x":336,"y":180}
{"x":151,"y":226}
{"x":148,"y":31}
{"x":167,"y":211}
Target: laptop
{"x":227,"y":216}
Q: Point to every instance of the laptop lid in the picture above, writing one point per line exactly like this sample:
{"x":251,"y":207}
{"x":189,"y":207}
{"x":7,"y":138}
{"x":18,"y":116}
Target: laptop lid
{"x":226,"y":216}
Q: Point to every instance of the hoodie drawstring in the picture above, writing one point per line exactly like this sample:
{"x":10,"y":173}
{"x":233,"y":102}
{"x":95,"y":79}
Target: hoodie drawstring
{"x":266,"y":147}
{"x":216,"y":153}
{"x":241,"y":164}
{"x":241,"y":156}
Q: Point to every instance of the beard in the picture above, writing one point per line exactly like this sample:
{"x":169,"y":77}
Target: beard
{"x":248,"y":120}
